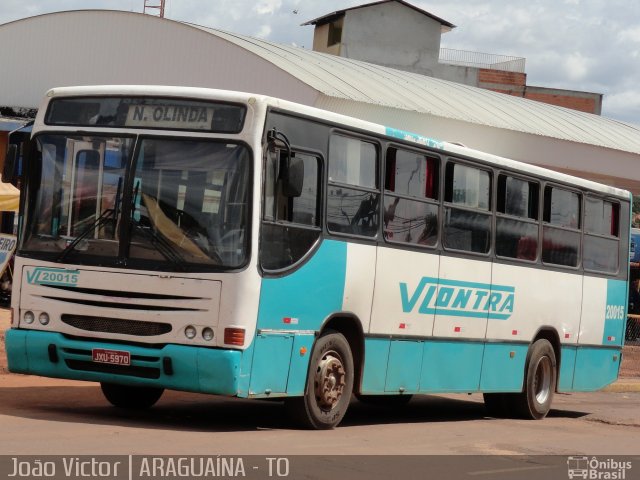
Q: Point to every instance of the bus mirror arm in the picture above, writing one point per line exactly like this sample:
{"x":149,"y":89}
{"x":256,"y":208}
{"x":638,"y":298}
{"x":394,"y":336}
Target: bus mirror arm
{"x":292,"y":169}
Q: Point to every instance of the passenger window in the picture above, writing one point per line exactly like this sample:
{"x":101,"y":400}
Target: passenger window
{"x":516,"y":222}
{"x":601,"y":217}
{"x":410,"y":209}
{"x":468,"y":186}
{"x":601,"y":227}
{"x":561,"y":233}
{"x":352,"y":162}
{"x":353,"y":196}
{"x":467,"y":221}
{"x":291,"y":225}
{"x":561,"y":207}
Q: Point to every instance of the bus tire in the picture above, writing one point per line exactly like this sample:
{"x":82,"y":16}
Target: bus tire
{"x":129,"y":397}
{"x":539,"y":383}
{"x":329,"y":384}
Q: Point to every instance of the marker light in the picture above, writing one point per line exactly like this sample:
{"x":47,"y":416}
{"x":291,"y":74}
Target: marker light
{"x":29,"y":317}
{"x":43,"y":318}
{"x":190,"y":332}
{"x":234,"y":336}
{"x":207,"y":334}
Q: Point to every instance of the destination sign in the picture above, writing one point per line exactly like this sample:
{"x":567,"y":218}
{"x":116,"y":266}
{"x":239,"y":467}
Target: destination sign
{"x":189,"y":117}
{"x":147,"y":112}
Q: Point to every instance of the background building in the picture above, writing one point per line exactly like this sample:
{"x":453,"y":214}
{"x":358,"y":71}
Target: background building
{"x":396,"y":34}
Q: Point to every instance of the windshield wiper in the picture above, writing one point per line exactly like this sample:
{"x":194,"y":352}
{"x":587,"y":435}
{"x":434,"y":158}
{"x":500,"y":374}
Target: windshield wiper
{"x":101,"y":220}
{"x":161,"y":244}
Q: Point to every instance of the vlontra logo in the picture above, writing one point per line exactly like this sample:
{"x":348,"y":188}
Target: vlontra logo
{"x":53,"y":276}
{"x":460,"y":299}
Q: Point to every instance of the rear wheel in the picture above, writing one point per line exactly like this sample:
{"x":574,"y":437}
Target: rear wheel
{"x":540,"y":381}
{"x":134,"y":398}
{"x":329,"y":384}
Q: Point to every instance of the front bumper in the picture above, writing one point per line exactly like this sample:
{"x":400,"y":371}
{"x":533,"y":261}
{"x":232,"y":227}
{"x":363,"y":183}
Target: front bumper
{"x":175,"y":367}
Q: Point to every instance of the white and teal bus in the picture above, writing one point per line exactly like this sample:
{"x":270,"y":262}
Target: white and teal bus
{"x":240,"y":245}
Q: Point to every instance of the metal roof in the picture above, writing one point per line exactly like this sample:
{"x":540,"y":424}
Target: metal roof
{"x":332,"y":16}
{"x":359,"y":81}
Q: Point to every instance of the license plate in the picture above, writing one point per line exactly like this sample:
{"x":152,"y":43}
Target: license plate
{"x":114,"y":357}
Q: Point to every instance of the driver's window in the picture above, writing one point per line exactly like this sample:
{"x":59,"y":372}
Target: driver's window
{"x":291,"y":224}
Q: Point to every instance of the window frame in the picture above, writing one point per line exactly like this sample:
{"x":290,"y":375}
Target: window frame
{"x":526,"y":220}
{"x":437,"y":201}
{"x":291,"y":224}
{"x":586,"y":234}
{"x":547,"y":224}
{"x":330,"y":183}
{"x":445,"y":204}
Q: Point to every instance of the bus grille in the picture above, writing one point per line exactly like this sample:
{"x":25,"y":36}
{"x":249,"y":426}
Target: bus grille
{"x":116,"y":325}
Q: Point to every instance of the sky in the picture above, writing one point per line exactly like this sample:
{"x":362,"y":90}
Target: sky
{"x":586,"y":45}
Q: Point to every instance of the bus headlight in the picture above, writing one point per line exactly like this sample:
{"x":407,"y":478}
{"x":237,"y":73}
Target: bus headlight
{"x":207,"y":334}
{"x":43,"y":318}
{"x":29,"y":317}
{"x":190,"y":332}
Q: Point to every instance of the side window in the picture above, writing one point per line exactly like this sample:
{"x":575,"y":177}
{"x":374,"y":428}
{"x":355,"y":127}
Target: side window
{"x":291,"y":224}
{"x":561,"y":232}
{"x":467,"y":215}
{"x":517,"y":218}
{"x":411,"y":194}
{"x":353,"y":194}
{"x":601,"y":233}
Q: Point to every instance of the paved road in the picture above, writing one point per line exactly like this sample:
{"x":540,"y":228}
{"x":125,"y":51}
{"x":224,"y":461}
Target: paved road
{"x":44,"y":416}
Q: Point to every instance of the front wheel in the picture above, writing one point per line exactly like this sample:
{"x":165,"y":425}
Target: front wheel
{"x":540,"y":381}
{"x":134,"y":398}
{"x":329,"y":384}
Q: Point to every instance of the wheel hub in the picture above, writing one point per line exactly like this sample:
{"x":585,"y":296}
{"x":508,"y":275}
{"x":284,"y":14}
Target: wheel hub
{"x":329,"y":381}
{"x":542,"y":380}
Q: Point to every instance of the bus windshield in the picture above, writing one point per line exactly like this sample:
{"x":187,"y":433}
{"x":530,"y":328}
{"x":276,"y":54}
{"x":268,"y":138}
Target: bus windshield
{"x":153,"y":203}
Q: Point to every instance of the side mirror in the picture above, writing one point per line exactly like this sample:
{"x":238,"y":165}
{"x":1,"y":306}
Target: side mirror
{"x":10,"y":163}
{"x":293,"y":177}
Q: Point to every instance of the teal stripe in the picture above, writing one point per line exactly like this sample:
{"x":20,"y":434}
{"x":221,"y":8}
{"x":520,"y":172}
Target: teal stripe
{"x":309,"y":294}
{"x":595,"y":368}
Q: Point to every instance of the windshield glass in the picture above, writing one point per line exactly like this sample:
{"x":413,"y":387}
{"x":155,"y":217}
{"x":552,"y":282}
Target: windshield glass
{"x":76,"y":180}
{"x":183,"y":207}
{"x":190,"y":202}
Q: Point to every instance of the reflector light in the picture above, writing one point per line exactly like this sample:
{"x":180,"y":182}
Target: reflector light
{"x":234,"y":336}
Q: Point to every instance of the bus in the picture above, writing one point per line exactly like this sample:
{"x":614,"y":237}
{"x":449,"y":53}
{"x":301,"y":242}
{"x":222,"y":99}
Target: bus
{"x":240,"y":245}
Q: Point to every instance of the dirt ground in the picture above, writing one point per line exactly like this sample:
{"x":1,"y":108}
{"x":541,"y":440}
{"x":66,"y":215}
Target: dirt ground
{"x":630,"y":354}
